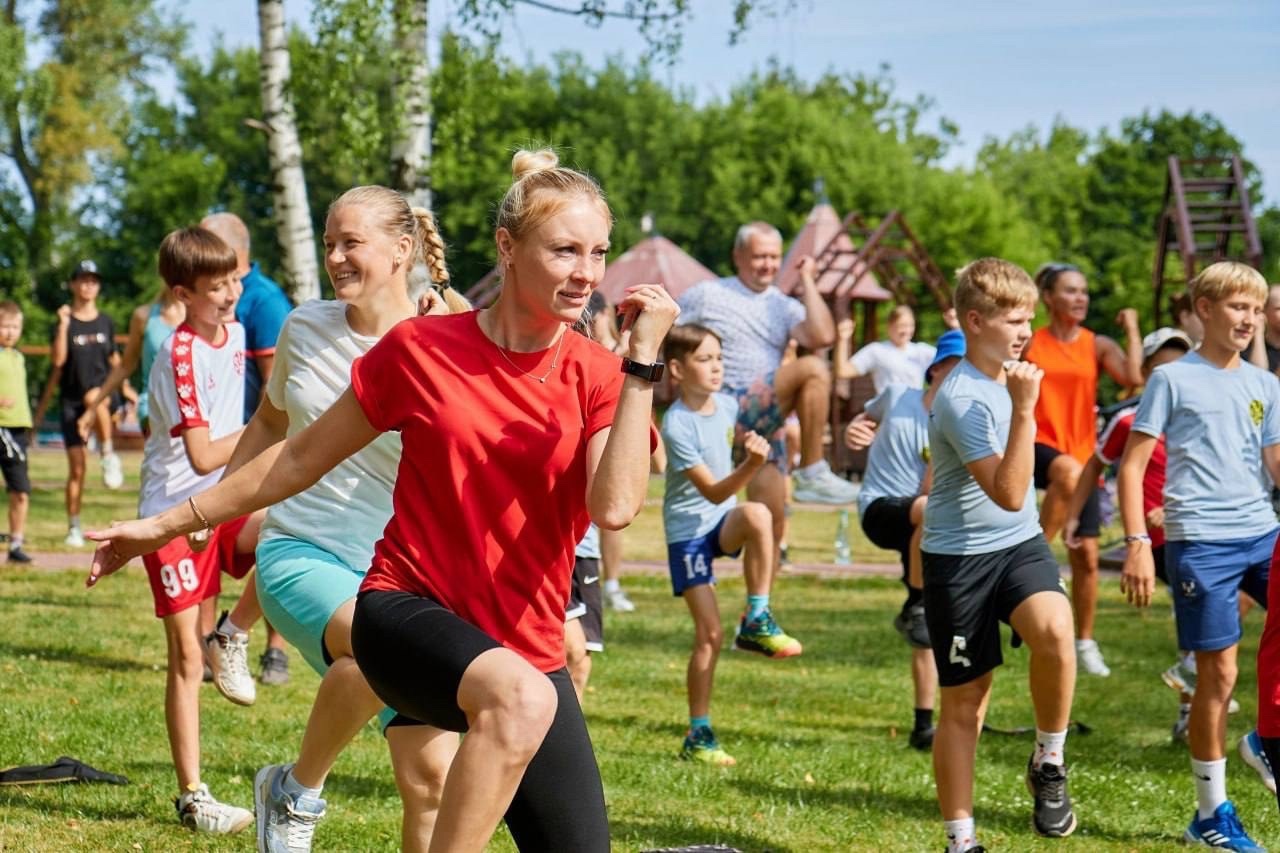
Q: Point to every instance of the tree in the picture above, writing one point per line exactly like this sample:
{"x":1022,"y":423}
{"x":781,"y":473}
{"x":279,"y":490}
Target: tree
{"x":288,"y":184}
{"x":59,"y":118}
{"x":410,"y":93}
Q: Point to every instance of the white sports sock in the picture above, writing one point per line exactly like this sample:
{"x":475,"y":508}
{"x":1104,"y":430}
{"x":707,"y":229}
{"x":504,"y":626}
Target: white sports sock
{"x":813,"y":469}
{"x":1211,"y":785}
{"x":960,"y":835}
{"x":1050,"y":747}
{"x":73,"y":521}
{"x":108,"y":449}
{"x":296,"y":789}
{"x":227,"y":628}
{"x":1189,"y":661}
{"x":612,"y":585}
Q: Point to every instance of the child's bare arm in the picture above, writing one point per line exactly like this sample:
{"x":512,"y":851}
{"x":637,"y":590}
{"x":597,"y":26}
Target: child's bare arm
{"x":1138,"y":576}
{"x":718,"y":492}
{"x":208,"y":455}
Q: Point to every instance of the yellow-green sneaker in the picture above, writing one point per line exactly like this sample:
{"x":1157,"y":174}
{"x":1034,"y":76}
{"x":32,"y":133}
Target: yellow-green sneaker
{"x":763,"y":635}
{"x":701,"y":745}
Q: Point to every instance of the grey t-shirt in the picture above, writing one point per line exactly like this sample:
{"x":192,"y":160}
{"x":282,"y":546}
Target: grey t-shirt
{"x":970,"y":421}
{"x":693,"y":439}
{"x":754,"y":327}
{"x":1215,"y":424}
{"x":900,"y":453}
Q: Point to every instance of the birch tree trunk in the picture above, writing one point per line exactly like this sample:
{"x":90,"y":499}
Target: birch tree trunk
{"x":411,"y":101}
{"x":288,"y":183}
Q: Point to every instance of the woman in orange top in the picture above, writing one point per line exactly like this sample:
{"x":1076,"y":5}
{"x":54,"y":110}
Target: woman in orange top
{"x":1071,"y":357}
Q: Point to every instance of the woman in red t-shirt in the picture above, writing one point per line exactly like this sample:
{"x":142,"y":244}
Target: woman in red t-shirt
{"x":1072,"y":358}
{"x":516,"y":433}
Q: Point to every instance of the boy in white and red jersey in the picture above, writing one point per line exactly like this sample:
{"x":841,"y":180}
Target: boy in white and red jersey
{"x":196,"y":393}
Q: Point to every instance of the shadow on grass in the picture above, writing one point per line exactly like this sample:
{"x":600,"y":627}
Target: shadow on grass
{"x":343,"y":786}
{"x":637,"y":834}
{"x":77,"y":602}
{"x":87,"y":659}
{"x":45,"y":800}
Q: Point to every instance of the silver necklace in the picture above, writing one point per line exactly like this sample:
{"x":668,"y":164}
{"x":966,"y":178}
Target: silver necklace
{"x":543,"y":378}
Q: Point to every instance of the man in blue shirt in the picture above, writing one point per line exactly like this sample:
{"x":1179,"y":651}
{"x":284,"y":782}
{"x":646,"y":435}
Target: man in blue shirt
{"x":261,"y":309}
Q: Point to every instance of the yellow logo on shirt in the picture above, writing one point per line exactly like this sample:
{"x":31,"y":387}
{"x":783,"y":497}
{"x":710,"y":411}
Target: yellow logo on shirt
{"x":924,"y":454}
{"x":1255,"y":412}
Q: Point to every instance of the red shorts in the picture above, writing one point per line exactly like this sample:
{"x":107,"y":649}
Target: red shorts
{"x":1269,"y":657}
{"x":181,"y":578}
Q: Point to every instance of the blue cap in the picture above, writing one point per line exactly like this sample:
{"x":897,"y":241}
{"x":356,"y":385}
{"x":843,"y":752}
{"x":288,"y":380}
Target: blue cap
{"x":950,"y":345}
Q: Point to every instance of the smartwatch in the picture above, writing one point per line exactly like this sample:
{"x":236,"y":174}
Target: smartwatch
{"x":651,"y":372}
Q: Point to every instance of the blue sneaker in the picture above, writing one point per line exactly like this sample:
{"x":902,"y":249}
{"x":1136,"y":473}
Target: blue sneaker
{"x":1223,"y":831}
{"x":285,"y":824}
{"x":1256,"y":757}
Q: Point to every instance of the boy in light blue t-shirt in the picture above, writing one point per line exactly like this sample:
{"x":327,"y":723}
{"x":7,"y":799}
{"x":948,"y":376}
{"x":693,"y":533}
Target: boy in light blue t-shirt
{"x":985,"y":558}
{"x":703,"y":520}
{"x":1220,"y":417}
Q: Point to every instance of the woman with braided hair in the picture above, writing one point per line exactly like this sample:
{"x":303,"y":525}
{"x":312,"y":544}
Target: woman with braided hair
{"x":309,"y":568}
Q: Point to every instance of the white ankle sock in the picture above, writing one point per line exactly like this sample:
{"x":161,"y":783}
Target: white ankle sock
{"x":227,"y":628}
{"x":1049,"y":748}
{"x":812,"y":469}
{"x":1211,"y":785}
{"x":296,"y":789}
{"x":960,"y":835}
{"x":612,"y":585}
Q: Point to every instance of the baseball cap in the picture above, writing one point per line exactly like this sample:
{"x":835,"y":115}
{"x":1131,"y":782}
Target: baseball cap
{"x":1163,"y":337}
{"x":950,"y":345}
{"x":85,"y":267}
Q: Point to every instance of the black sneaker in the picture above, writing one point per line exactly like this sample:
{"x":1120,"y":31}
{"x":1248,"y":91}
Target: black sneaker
{"x":911,"y":625}
{"x":922,"y":739}
{"x":17,"y":555}
{"x":1052,"y":815}
{"x":275,"y":667}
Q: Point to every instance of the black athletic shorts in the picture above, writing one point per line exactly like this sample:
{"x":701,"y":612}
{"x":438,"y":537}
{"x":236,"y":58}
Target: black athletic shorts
{"x":13,"y":459}
{"x":586,"y":601}
{"x":967,"y":596}
{"x":887,"y":523}
{"x":1090,"y":513}
{"x":413,"y":652}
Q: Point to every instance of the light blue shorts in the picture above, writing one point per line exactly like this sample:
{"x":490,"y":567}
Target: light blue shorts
{"x":300,"y":587}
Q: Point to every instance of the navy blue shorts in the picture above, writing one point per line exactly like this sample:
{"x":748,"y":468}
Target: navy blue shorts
{"x":1206,"y":578}
{"x":690,"y":561}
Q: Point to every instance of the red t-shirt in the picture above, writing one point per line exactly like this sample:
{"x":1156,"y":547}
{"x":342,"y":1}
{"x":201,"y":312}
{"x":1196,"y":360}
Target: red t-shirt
{"x":1111,"y":447}
{"x":1269,"y":658}
{"x":490,"y":497}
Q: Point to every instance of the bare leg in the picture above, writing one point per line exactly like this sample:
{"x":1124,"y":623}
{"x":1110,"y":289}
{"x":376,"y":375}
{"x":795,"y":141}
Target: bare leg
{"x":955,"y":745}
{"x":1044,"y":623}
{"x":1064,"y":472}
{"x":804,"y":387}
{"x":420,"y":757}
{"x":924,"y":677}
{"x":1084,"y":585}
{"x":750,"y":526}
{"x":915,"y":564}
{"x":182,"y":694}
{"x":509,"y":707}
{"x":577,"y":658}
{"x":75,"y":480}
{"x":707,"y":639}
{"x":19,"y":502}
{"x":769,"y":487}
{"x":1216,"y":673}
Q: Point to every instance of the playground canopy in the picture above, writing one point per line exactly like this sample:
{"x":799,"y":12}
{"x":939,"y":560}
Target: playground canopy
{"x":653,"y":259}
{"x":823,"y":226}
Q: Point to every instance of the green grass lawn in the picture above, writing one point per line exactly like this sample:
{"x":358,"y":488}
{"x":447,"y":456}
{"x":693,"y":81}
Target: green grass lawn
{"x":821,"y":740}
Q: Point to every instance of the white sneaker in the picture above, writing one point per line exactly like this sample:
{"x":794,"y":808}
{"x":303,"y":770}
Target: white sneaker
{"x":1251,"y":752}
{"x":75,"y":538}
{"x":617,"y":600}
{"x":1183,"y":723}
{"x":1090,"y":658}
{"x":823,"y":487}
{"x":228,"y":657}
{"x":198,"y":810}
{"x":285,"y":824}
{"x":112,"y":471}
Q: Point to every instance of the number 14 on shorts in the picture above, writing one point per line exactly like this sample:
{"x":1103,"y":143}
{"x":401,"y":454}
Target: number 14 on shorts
{"x":695,"y":566}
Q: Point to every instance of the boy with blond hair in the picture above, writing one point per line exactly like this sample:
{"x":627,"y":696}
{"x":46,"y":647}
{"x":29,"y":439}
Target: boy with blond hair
{"x":196,"y":393}
{"x":15,"y":427}
{"x":1220,"y":417}
{"x":703,"y":520}
{"x":985,"y":557}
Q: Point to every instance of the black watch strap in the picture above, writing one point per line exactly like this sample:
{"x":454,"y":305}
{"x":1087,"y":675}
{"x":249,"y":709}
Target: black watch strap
{"x":651,"y":372}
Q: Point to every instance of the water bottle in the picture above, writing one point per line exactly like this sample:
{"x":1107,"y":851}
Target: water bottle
{"x":844,"y":556}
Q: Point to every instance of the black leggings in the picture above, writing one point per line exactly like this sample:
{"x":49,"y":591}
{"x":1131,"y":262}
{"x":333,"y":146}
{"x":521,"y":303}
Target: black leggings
{"x":413,"y":652}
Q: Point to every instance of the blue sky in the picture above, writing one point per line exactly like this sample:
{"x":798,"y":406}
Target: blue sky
{"x":992,"y":67}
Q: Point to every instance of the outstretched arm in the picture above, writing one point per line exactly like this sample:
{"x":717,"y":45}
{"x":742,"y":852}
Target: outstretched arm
{"x":282,"y":471}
